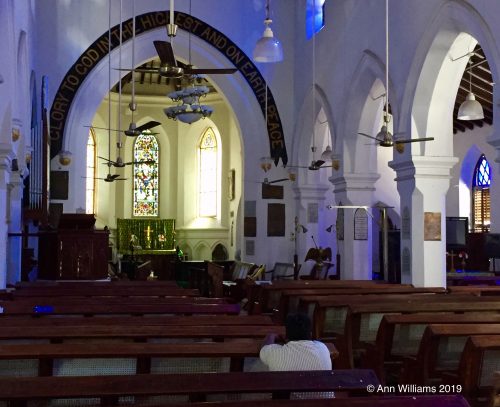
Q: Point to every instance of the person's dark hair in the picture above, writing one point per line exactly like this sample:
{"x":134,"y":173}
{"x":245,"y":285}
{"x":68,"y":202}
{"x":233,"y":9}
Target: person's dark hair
{"x":298,"y":327}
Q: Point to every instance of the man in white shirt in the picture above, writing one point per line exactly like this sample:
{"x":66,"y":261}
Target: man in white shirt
{"x":298,"y":352}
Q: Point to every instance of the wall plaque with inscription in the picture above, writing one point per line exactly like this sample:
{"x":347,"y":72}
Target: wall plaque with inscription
{"x":432,"y":225}
{"x":406,"y":223}
{"x":360,"y":224}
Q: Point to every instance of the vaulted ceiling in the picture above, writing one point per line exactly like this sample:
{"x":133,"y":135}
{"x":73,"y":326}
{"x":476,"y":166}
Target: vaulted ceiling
{"x":482,"y":87}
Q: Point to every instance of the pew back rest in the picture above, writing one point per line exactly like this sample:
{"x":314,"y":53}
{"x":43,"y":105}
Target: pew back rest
{"x":281,"y":271}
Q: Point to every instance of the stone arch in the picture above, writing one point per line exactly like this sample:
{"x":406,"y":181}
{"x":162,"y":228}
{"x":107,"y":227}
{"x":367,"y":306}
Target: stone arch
{"x":361,"y":110}
{"x":219,"y":252}
{"x":202,"y":251}
{"x":456,"y":27}
{"x":90,"y":66}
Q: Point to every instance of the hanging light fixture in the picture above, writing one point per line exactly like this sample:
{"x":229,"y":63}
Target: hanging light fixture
{"x":268,"y":48}
{"x":470,"y":109}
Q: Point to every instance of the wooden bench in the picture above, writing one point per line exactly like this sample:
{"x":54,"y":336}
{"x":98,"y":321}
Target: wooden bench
{"x":58,"y":333}
{"x":127,"y":358}
{"x":382,"y":401}
{"x":268,"y":295}
{"x":440,"y":350}
{"x":12,"y":308}
{"x":354,"y":322}
{"x":289,"y":299}
{"x":165,"y":321}
{"x":473,"y":280}
{"x":400,"y":335}
{"x":475,"y":290}
{"x":98,"y":291}
{"x":197,"y":386}
{"x":476,"y":373}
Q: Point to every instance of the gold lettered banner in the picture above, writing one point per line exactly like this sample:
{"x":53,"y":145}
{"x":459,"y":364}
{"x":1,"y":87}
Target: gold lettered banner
{"x":150,"y":21}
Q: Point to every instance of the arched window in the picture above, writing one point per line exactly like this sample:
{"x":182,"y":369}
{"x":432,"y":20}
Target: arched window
{"x":146,"y":182}
{"x":481,"y":202}
{"x":208,"y":174}
{"x":90,"y":173}
{"x":315,"y":17}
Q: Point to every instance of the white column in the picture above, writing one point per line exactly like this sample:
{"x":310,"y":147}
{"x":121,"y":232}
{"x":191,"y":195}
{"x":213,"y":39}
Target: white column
{"x":356,"y":255}
{"x":6,"y":156}
{"x":304,"y":195}
{"x":422,"y":185}
{"x":15,"y":194}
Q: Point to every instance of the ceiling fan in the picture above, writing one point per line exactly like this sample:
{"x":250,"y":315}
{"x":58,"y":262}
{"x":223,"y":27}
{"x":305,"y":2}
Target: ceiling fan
{"x":169,"y":67}
{"x":109,"y":178}
{"x":133,"y":130}
{"x":120,"y":164}
{"x":314,"y":166}
{"x":384,"y":137}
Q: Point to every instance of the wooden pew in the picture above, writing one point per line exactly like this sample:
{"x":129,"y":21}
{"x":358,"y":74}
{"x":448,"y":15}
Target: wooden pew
{"x":475,"y":290}
{"x":473,"y":280}
{"x":94,"y":283}
{"x":268,"y":295}
{"x":476,"y":373}
{"x":357,"y":320}
{"x":289,"y":299}
{"x":98,"y":291}
{"x":68,"y":358}
{"x":434,"y":357}
{"x":383,"y":401}
{"x":197,"y":386}
{"x":12,"y":308}
{"x":83,"y":302}
{"x":58,"y":333}
{"x":174,"y":320}
{"x":400,"y":335}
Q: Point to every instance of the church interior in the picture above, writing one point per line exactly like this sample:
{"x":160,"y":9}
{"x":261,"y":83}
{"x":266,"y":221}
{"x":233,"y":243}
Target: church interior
{"x":196,"y":169}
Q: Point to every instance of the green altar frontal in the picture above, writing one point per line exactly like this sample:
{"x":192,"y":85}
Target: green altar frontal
{"x":154,"y":236}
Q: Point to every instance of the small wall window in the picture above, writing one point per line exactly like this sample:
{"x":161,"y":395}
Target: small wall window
{"x":315,"y":17}
{"x":481,"y":201}
{"x":146,"y":178}
{"x":208,"y":174}
{"x":90,"y":173}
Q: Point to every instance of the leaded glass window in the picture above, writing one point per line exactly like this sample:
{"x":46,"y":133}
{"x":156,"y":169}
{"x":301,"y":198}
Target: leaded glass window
{"x":481,"y":201}
{"x":208,"y":174}
{"x":315,"y":17}
{"x":146,"y":182}
{"x":90,"y":173}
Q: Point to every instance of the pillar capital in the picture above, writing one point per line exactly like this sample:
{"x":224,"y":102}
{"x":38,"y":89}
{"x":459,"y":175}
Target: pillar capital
{"x":364,"y":182}
{"x":310,"y":192}
{"x":424,"y":167}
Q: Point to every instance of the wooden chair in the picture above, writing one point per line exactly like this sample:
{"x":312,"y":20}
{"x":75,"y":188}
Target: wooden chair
{"x":281,"y":271}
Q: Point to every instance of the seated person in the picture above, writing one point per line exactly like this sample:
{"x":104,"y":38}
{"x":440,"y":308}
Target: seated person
{"x":298,"y":352}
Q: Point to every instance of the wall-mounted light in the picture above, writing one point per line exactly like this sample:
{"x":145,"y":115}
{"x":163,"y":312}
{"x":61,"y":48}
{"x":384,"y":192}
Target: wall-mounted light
{"x":265,"y":163}
{"x":65,"y":157}
{"x":330,"y":228}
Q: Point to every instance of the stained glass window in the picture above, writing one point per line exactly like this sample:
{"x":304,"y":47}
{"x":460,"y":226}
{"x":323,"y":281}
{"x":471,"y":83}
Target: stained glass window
{"x":315,"y":17}
{"x":481,"y":200}
{"x":90,"y":174}
{"x":208,"y":174}
{"x":146,"y":182}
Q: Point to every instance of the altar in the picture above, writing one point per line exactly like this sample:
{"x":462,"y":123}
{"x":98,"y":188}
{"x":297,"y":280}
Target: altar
{"x":151,"y":240}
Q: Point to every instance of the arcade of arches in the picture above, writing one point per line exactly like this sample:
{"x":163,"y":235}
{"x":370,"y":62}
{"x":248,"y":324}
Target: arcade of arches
{"x":207,"y":175}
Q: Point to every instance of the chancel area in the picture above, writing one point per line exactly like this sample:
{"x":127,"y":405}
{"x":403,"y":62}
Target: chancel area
{"x":196,"y":170}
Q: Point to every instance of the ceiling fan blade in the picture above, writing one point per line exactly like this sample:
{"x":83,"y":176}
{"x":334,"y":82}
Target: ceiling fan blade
{"x":296,"y":166}
{"x":141,"y":162}
{"x":367,"y":135}
{"x":105,"y":159}
{"x":147,"y":126}
{"x":144,"y":70}
{"x":275,"y":181}
{"x":210,"y":71}
{"x":318,"y":163}
{"x":413,"y":140}
{"x":101,"y":128}
{"x":165,"y":52}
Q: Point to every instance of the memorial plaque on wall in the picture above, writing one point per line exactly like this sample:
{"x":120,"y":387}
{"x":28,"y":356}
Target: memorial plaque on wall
{"x":276,"y":219}
{"x":339,"y":224}
{"x":59,"y":184}
{"x":250,"y":219}
{"x":406,"y":262}
{"x":312,"y":212}
{"x":272,"y":191}
{"x":360,"y":224}
{"x":432,"y":225}
{"x":406,"y":224}
{"x":250,"y":247}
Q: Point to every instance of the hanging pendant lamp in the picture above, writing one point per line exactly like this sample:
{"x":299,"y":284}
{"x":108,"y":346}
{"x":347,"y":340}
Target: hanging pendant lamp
{"x":268,"y":48}
{"x":470,"y":109}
